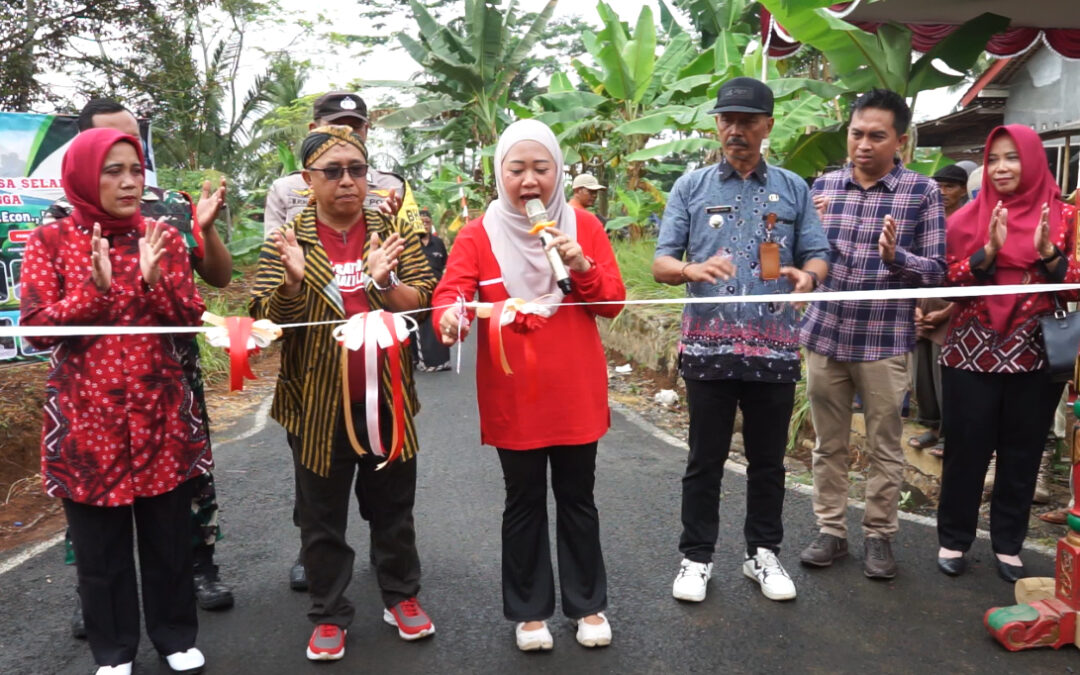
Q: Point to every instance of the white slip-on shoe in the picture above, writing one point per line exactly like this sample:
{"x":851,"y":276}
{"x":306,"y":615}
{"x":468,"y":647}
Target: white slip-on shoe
{"x":691,"y":580}
{"x":594,"y":635}
{"x":766,"y":569}
{"x":538,"y":639}
{"x":122,"y":669}
{"x":190,"y":661}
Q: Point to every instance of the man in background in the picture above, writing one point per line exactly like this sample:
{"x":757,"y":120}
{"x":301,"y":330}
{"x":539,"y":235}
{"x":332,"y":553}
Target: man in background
{"x":386,"y":191}
{"x":585,"y":190}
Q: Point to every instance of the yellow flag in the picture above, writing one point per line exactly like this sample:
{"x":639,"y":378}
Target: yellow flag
{"x":456,"y":225}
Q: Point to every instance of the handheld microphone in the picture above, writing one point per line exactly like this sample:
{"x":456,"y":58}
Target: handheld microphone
{"x":534,"y":209}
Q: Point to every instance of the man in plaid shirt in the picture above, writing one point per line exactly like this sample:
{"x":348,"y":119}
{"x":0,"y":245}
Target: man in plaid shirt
{"x":886,"y":226}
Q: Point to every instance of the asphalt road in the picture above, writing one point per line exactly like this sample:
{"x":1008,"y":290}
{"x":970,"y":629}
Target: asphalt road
{"x":840,"y":623}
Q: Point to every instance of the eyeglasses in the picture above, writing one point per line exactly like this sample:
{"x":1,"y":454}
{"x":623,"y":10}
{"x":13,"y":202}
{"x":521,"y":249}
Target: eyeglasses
{"x":356,"y":171}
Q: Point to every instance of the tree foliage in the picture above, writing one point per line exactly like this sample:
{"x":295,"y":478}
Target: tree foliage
{"x":40,"y":36}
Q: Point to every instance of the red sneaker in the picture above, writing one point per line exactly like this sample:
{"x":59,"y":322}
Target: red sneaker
{"x":327,"y":643}
{"x":410,"y":620}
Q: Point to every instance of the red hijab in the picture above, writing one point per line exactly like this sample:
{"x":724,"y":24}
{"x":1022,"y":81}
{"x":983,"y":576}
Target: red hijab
{"x":968,"y":228}
{"x":81,"y":173}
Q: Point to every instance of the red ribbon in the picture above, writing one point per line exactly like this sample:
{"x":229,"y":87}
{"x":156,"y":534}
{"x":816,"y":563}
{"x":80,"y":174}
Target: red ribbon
{"x":239,"y":330}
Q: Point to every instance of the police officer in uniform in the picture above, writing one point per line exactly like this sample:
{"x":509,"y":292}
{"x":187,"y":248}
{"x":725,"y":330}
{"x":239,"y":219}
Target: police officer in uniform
{"x":289,"y":194}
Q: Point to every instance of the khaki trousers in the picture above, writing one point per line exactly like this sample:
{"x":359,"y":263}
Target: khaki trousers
{"x":831,"y":387}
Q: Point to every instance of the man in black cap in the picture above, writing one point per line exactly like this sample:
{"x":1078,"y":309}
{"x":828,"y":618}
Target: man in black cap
{"x":952,"y":180}
{"x":931,"y":321}
{"x":289,"y":195}
{"x":739,"y":228}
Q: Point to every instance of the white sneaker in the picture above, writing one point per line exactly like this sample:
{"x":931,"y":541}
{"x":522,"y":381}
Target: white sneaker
{"x":191,"y":661}
{"x":765,"y":569}
{"x":122,"y":669}
{"x":690,"y":581}
{"x":536,"y":639}
{"x":594,"y":635}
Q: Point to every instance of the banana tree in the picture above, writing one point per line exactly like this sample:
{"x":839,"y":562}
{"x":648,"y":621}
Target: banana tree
{"x":644,"y":94}
{"x":469,"y":66}
{"x":862,"y":60}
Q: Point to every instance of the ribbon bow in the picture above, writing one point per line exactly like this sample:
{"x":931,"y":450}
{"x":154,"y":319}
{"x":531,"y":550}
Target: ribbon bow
{"x":370,"y":332}
{"x":241,"y":336}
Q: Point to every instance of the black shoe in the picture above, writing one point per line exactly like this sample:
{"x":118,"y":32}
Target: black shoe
{"x":210,"y":593}
{"x":1010,"y":573}
{"x":298,"y":576}
{"x":954,"y":567}
{"x":78,"y":625}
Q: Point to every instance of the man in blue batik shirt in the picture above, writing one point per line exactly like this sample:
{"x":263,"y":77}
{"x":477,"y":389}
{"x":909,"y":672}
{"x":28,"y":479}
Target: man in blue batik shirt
{"x":742,"y":227}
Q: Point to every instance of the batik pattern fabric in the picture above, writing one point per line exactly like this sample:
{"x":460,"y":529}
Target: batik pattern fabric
{"x":715,"y":211}
{"x":308,"y":396}
{"x":121,"y":418}
{"x":973,"y":344}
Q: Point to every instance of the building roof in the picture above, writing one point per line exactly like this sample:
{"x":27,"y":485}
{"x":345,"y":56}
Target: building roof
{"x":1029,"y":13}
{"x":967,"y":127}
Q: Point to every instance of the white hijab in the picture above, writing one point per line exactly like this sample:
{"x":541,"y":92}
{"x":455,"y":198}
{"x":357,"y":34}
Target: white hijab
{"x":525,"y":269}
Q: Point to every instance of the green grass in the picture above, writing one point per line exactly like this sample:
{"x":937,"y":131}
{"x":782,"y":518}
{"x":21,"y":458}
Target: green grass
{"x":635,"y":263}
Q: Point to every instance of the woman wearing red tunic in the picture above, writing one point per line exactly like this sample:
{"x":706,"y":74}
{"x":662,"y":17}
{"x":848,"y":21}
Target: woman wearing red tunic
{"x":554,"y":409}
{"x":1016,"y":231}
{"x":123,"y":434}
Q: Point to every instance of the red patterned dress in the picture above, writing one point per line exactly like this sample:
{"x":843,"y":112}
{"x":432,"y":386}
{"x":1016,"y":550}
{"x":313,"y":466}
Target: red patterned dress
{"x":121,"y":420}
{"x":973,"y":344}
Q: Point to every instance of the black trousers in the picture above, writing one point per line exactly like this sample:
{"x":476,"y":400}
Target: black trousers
{"x":432,"y":352}
{"x":766,"y":409}
{"x":103,"y":538}
{"x":1009,"y":413}
{"x":527,"y":579}
{"x":322,"y":506}
{"x":926,"y":377}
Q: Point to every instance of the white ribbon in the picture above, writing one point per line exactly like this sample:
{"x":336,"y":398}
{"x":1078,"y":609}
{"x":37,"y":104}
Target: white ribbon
{"x":819,"y":296}
{"x":370,"y":330}
{"x":218,"y":336}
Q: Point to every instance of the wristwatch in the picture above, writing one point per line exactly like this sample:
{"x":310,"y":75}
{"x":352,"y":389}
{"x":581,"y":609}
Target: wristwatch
{"x":814,"y":278}
{"x":393,"y":283}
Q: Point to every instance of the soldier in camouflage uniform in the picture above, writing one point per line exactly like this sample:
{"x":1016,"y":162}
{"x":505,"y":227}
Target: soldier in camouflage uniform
{"x":212,"y":261}
{"x":387,"y":192}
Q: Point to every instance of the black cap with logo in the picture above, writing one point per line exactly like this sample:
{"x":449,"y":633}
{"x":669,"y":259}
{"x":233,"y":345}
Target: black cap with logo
{"x":744,"y":94}
{"x":337,"y":105}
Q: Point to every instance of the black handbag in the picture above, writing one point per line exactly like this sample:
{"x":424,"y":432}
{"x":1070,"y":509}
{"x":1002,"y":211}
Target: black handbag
{"x":1061,"y":339}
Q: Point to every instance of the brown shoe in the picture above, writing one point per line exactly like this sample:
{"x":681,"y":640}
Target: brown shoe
{"x":878,"y":560}
{"x":824,"y":550}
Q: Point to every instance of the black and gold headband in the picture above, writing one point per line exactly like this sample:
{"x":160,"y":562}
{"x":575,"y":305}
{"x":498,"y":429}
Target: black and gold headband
{"x":321,"y":139}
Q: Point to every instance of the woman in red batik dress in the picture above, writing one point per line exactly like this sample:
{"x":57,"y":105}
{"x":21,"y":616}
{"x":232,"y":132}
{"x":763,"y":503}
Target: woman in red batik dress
{"x":994,"y":375}
{"x":123,"y":434}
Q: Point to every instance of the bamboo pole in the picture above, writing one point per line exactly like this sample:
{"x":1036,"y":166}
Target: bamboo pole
{"x":1068,"y":158}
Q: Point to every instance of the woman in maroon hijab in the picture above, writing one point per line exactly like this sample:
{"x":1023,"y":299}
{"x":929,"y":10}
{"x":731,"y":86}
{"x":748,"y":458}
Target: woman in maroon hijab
{"x":994,"y":375}
{"x":123,"y":433}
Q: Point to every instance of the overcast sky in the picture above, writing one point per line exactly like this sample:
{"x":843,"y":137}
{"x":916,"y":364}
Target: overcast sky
{"x":386,"y":64}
